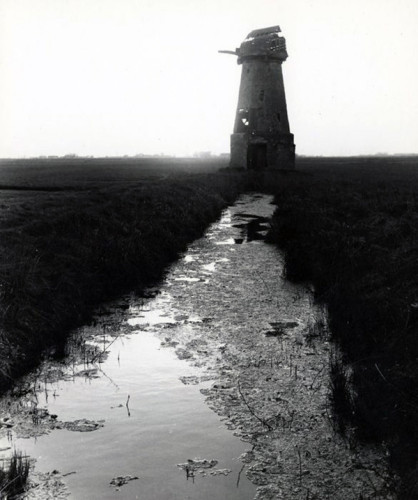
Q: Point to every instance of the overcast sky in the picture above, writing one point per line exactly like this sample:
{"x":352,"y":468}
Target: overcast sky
{"x":115,"y":77}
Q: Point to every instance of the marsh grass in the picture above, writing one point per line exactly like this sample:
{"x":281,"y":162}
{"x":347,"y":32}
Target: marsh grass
{"x":340,"y":393}
{"x":14,"y":476}
{"x":62,"y":253}
{"x":350,"y":226}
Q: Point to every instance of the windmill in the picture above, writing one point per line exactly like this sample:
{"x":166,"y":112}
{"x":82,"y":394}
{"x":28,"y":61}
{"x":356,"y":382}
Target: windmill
{"x":261,"y":138}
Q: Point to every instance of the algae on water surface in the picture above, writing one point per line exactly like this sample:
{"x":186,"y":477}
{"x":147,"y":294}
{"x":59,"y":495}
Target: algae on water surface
{"x":244,"y":335}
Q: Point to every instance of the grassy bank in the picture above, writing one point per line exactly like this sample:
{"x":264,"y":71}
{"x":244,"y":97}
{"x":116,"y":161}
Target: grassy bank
{"x":14,"y":477}
{"x":351,"y":228}
{"x":66,"y":246}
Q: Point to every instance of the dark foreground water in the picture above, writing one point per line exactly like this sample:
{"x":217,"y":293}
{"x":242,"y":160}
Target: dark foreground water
{"x":214,"y":387}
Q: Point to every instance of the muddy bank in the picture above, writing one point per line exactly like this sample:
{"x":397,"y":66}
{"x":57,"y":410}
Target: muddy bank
{"x":224,"y":327}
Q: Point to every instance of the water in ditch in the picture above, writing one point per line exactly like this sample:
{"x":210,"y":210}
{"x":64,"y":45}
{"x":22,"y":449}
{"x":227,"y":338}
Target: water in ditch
{"x":214,"y":387}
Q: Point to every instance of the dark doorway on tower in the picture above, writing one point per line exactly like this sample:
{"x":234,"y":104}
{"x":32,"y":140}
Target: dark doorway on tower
{"x":257,"y":156}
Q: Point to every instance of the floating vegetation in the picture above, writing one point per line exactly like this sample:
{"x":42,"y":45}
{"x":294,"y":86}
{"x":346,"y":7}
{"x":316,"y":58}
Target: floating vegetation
{"x":119,"y":481}
{"x":197,"y":466}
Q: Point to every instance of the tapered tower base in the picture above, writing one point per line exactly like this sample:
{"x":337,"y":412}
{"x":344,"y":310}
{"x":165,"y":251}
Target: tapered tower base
{"x":257,"y":153}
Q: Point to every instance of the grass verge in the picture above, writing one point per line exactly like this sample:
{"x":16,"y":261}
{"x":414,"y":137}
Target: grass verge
{"x":350,"y":226}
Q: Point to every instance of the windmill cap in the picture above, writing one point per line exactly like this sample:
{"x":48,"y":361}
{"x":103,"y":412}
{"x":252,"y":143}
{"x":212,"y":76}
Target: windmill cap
{"x":263,"y":43}
{"x":264,"y":31}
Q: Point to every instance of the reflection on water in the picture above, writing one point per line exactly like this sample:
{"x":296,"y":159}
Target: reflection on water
{"x":146,"y":317}
{"x":130,"y":413}
{"x":153,"y":421}
{"x":209,"y":267}
{"x":154,"y":417}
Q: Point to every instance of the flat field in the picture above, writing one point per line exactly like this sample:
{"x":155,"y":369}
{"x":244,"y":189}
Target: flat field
{"x":84,"y":173}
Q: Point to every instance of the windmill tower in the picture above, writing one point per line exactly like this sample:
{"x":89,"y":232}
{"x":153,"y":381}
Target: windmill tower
{"x":262,"y":138}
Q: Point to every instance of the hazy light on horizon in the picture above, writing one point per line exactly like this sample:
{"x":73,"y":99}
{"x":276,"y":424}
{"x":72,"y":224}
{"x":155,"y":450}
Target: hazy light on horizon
{"x":116,"y":77}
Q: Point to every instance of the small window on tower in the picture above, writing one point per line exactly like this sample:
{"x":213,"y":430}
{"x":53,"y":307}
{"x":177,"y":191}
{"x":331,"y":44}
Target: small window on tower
{"x":244,"y":116}
{"x":279,"y":117}
{"x":261,"y":95}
